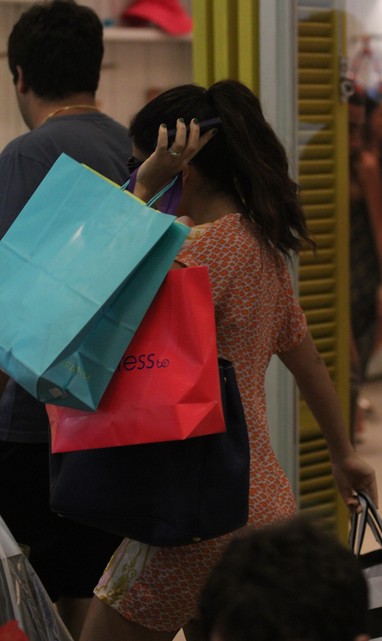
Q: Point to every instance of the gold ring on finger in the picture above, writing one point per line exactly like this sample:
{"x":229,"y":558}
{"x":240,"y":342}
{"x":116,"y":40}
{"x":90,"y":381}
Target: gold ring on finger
{"x":174,"y":154}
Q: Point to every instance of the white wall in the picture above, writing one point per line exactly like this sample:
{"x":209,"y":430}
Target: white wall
{"x":364,"y":14}
{"x":364,"y":19}
{"x":278,"y":98}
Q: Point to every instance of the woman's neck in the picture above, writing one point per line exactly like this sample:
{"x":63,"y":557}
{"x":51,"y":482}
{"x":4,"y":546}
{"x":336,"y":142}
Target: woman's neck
{"x":209,"y":211}
{"x":205,"y":205}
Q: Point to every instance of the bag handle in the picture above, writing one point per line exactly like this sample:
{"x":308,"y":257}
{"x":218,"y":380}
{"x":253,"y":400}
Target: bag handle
{"x":368,"y":517}
{"x":160,"y":193}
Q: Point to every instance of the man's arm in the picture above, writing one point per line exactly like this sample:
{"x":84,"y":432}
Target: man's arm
{"x":19,"y":177}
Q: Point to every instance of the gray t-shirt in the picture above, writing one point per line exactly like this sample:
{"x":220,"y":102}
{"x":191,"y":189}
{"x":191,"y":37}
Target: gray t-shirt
{"x":91,"y":138}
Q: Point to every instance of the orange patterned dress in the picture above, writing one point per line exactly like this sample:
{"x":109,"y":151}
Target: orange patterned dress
{"x":257,"y":315}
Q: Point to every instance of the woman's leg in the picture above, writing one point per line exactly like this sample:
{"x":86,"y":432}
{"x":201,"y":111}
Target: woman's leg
{"x":103,"y":623}
{"x":73,"y":612}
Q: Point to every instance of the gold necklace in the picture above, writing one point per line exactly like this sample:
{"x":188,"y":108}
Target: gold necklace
{"x":68,"y":108}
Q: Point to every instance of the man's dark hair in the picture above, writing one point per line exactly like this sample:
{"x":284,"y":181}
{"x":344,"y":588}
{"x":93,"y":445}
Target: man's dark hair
{"x":59,"y":47}
{"x":286,"y":582}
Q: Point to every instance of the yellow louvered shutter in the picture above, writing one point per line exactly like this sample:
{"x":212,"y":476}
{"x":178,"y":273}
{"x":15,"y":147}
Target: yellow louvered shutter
{"x":225,"y":41}
{"x":323,"y":278}
{"x":226,"y":44}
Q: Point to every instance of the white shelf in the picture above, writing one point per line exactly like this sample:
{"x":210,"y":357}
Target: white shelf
{"x":141,"y":34}
{"x":17,"y":2}
{"x":126,"y":34}
{"x":123,"y":34}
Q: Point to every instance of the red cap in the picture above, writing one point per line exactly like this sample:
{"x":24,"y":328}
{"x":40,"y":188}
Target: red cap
{"x":169,"y":15}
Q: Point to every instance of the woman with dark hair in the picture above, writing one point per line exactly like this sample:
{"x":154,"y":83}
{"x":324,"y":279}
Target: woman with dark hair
{"x":245,"y":160}
{"x":235,"y":187}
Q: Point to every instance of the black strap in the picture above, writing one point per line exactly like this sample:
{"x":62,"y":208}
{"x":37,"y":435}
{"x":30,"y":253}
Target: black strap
{"x":368,"y":517}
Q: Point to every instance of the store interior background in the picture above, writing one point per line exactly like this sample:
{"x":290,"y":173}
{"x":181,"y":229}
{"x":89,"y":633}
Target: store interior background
{"x":138,"y":63}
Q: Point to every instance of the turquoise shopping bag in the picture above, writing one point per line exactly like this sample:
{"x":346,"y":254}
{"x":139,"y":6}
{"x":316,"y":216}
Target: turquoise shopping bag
{"x":78,"y":270}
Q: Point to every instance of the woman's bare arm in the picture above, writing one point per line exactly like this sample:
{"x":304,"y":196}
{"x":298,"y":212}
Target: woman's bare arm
{"x":350,"y":471}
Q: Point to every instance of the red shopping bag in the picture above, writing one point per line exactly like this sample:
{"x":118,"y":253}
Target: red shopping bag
{"x":166,"y":386}
{"x":11,"y":632}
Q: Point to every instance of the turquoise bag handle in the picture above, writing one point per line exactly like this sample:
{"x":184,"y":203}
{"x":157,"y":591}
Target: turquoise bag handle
{"x":158,"y":195}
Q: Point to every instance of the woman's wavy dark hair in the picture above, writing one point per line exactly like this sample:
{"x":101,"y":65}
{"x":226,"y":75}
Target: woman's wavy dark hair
{"x":245,"y":157}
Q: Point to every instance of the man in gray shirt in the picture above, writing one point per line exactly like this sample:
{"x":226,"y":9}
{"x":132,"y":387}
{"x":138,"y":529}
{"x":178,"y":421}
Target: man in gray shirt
{"x":54,"y":52}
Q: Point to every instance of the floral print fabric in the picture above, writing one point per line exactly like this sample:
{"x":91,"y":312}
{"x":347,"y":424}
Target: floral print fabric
{"x":257,"y":316}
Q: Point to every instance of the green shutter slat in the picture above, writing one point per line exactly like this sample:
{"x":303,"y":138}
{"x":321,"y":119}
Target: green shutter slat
{"x":316,"y":211}
{"x":310,"y":272}
{"x":314,"y":165}
{"x":313,"y":457}
{"x":323,"y":137}
{"x":324,"y":226}
{"x":323,"y":329}
{"x":317,"y":151}
{"x":318,"y":488}
{"x":325,"y":244}
{"x":316,"y":468}
{"x":319,"y":107}
{"x":315,"y":45}
{"x":318,"y":316}
{"x":315,"y":76}
{"x":317,"y":285}
{"x":317,"y":97}
{"x":317,"y":122}
{"x":321,"y":256}
{"x":316,"y":301}
{"x":319,"y":61}
{"x":314,"y":92}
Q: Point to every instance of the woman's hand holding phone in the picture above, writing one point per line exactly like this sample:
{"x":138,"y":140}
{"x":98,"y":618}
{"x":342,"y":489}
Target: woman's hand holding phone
{"x":168,"y":161}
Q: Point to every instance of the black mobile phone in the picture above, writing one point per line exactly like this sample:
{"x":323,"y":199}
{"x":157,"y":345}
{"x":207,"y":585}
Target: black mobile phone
{"x":204,"y":125}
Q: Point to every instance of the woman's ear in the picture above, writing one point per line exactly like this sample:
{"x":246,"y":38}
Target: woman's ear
{"x":190,"y":174}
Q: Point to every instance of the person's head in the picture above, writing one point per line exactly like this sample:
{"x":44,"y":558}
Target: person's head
{"x":356,"y":122}
{"x":244,"y":160}
{"x":57,"y":47}
{"x":286,"y":582}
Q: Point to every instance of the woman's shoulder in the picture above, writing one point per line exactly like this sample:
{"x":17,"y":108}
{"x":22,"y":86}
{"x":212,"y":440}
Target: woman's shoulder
{"x":235,"y":226}
{"x":230,"y":229}
{"x":230,"y":239}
